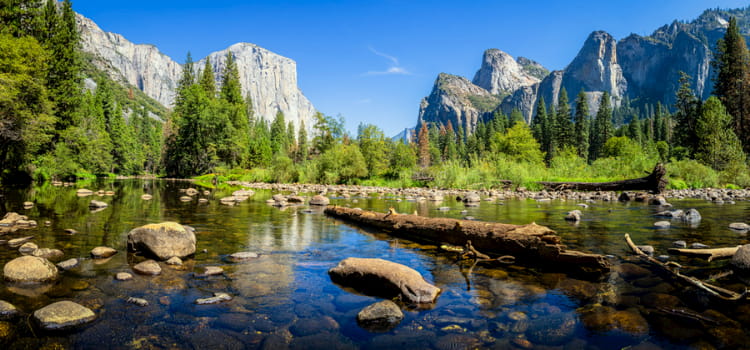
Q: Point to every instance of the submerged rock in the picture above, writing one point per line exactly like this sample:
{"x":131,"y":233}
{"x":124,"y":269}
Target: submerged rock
{"x":137,"y":301}
{"x":163,"y":240}
{"x":123,"y":276}
{"x":243,"y":256}
{"x":217,"y":298}
{"x":384,"y":278}
{"x":63,"y":315}
{"x":94,"y":204}
{"x":739,"y":226}
{"x":573,"y":215}
{"x":662,"y":224}
{"x":68,"y":264}
{"x":48,"y":253}
{"x":30,"y":269}
{"x":692,"y":216}
{"x":380,"y":316}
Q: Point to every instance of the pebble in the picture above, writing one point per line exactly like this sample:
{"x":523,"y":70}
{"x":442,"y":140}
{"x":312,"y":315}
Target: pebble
{"x":647,"y":249}
{"x":103,"y":252}
{"x":174,"y":261}
{"x":148,"y":267}
{"x":211,"y":271}
{"x":70,"y":231}
{"x":739,"y":226}
{"x":242,"y":256}
{"x":699,"y":246}
{"x":662,"y":224}
{"x":123,"y":276}
{"x":137,"y":301}
{"x":68,"y":264}
{"x":679,"y":244}
{"x":217,"y":298}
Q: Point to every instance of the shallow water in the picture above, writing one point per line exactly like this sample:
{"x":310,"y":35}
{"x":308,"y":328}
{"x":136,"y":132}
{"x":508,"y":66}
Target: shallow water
{"x":286,"y":299}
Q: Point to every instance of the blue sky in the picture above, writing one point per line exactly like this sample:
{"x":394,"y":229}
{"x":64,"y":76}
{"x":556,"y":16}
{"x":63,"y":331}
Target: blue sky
{"x":372,"y":61}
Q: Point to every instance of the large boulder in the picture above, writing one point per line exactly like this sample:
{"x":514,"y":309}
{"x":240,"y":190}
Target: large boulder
{"x":30,"y":269}
{"x":384,"y":278}
{"x":163,"y":240}
{"x":63,"y":315}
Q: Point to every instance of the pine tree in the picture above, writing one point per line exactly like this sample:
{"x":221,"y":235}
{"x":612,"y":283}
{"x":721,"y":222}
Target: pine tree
{"x":551,"y":133}
{"x":634,"y":131}
{"x":603,"y":128}
{"x":688,"y":111}
{"x":423,"y":146}
{"x":64,"y":72}
{"x":279,"y":142}
{"x":234,"y":151}
{"x":581,"y":137}
{"x":302,"y":143}
{"x":19,"y":17}
{"x":207,"y":80}
{"x":731,"y":85}
{"x":563,"y":124}
{"x":718,"y":145}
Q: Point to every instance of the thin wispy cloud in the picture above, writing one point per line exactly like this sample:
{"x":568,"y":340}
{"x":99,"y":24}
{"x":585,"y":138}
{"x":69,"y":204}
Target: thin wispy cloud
{"x":394,"y":66}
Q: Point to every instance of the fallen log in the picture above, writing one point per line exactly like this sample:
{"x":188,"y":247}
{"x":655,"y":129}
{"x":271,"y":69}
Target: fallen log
{"x":655,"y":182}
{"x":672,"y":270}
{"x":708,"y":254}
{"x":530,"y":243}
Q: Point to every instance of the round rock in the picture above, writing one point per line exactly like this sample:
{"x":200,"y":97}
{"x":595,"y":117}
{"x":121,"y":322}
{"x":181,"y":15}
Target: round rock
{"x":63,"y":315}
{"x":103,"y":252}
{"x":319,"y":200}
{"x":148,"y":267}
{"x":174,"y":261}
{"x":380,"y":316}
{"x":28,"y":248}
{"x":163,"y":240}
{"x":30,"y":269}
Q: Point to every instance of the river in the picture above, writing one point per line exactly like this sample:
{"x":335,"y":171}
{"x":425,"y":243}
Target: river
{"x":285,"y":298}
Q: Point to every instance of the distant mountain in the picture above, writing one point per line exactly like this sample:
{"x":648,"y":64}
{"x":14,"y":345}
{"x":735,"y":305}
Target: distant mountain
{"x":269,"y":79}
{"x":636,"y":67}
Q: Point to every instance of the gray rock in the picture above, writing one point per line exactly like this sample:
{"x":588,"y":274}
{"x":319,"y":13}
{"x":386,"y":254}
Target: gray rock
{"x":319,"y":200}
{"x":662,"y":224}
{"x":137,"y":301}
{"x":501,"y":74}
{"x":573,"y":215}
{"x":741,"y":258}
{"x":382,"y":315}
{"x":63,"y":315}
{"x":217,"y":298}
{"x":243,"y":256}
{"x":68,"y":264}
{"x":739,"y":226}
{"x":28,"y":248}
{"x":30,"y":269}
{"x":163,"y":240}
{"x":7,"y":311}
{"x":692,"y":216}
{"x":103,"y":252}
{"x":699,"y":246}
{"x":19,"y":241}
{"x":679,"y":244}
{"x":211,"y":271}
{"x":94,"y":204}
{"x":384,"y":278}
{"x":148,"y":267}
{"x":647,"y":249}
{"x":472,"y":198}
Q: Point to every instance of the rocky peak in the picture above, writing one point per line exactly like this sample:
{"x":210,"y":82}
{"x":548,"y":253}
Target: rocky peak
{"x":501,"y":74}
{"x":532,"y":67}
{"x":595,"y":68}
{"x":457,"y":100}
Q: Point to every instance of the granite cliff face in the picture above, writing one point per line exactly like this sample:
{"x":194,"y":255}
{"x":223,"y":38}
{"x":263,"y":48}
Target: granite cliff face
{"x":637,"y":67}
{"x":501,"y":74}
{"x":269,"y":79}
{"x":456,"y":100}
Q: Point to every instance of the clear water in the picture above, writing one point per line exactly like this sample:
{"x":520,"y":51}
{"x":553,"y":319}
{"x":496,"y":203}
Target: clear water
{"x":285,"y":299}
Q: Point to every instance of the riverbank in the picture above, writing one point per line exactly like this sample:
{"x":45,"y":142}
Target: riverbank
{"x":429,"y":194}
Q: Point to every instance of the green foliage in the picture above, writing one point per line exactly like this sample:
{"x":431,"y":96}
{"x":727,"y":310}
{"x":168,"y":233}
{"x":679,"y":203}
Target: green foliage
{"x":518,"y":144}
{"x":731,"y":83}
{"x":283,"y":170}
{"x":25,"y":110}
{"x":374,"y":148}
{"x":485,"y":103}
{"x":692,"y":173}
{"x":718,"y":146}
{"x":341,"y":164}
{"x":581,"y":128}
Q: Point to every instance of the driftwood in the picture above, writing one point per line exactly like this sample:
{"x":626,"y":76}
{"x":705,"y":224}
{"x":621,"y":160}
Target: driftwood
{"x":655,"y":182}
{"x":673,"y":270}
{"x":531,"y":243}
{"x":708,"y":254}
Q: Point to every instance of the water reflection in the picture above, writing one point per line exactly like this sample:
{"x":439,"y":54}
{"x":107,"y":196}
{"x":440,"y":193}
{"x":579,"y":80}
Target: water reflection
{"x":286,"y":299}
